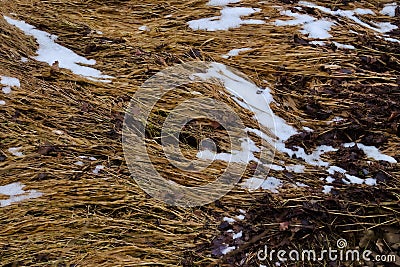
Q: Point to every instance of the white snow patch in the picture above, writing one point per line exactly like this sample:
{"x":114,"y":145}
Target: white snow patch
{"x":236,"y":51}
{"x":238,"y":235}
{"x":6,"y":89}
{"x":353,"y":179}
{"x":79,"y":163}
{"x":49,"y":52}
{"x":229,"y":220}
{"x":327,"y":189}
{"x":240,"y":217}
{"x":329,"y":179}
{"x":271,"y":184}
{"x":59,"y":132}
{"x":343,"y":46}
{"x":370,"y":181}
{"x":144,"y":28}
{"x":391,"y":39}
{"x":2,"y":102}
{"x":296,"y":168}
{"x":307,"y":129}
{"x":276,"y":167}
{"x":372,"y":152}
{"x":320,"y":43}
{"x":351,"y":14}
{"x":10,"y":81}
{"x":245,"y":93}
{"x":24,"y":59}
{"x":227,"y":249}
{"x":98,"y":168}
{"x":222,"y":2}
{"x":16,"y":194}
{"x":244,"y":156}
{"x":315,"y":28}
{"x":332,"y":169}
{"x":389,"y":10}
{"x":15,"y":151}
{"x":301,"y":184}
{"x":230,"y":18}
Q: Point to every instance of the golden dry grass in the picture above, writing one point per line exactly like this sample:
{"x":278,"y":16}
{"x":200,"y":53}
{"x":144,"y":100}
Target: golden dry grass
{"x":85,"y":219}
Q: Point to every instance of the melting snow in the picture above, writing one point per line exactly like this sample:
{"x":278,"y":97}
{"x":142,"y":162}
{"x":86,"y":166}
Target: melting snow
{"x":97,"y":169}
{"x":235,"y":52}
{"x":49,"y":52}
{"x":372,"y":152}
{"x":271,"y":184}
{"x":15,"y":151}
{"x":144,"y":28}
{"x":327,"y":189}
{"x":389,"y":10}
{"x":238,"y":235}
{"x":222,"y":2}
{"x":230,"y":18}
{"x":351,"y":14}
{"x":229,"y":220}
{"x":244,"y":156}
{"x":240,"y":217}
{"x":227,"y":249}
{"x":343,"y":46}
{"x":16,"y":194}
{"x":248,"y":95}
{"x":79,"y":163}
{"x":315,"y":28}
{"x":9,"y":82}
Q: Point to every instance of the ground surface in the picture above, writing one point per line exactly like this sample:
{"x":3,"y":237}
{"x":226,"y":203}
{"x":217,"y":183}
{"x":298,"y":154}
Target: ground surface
{"x":86,"y":217}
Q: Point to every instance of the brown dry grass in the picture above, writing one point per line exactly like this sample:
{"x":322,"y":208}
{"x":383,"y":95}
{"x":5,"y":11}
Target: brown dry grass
{"x":106,"y":219}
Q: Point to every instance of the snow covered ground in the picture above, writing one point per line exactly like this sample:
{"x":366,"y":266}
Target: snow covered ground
{"x":50,"y":52}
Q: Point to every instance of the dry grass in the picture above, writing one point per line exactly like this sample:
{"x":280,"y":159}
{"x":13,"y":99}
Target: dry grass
{"x":85,"y":219}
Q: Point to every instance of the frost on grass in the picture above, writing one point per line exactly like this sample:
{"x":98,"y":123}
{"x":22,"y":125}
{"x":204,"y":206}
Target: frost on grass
{"x":49,"y":52}
{"x":231,"y":17}
{"x":16,"y":193}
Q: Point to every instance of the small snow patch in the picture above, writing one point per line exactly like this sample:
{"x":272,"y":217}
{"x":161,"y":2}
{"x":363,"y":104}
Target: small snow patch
{"x":98,"y":168}
{"x":230,"y":18}
{"x":144,"y":28}
{"x":389,"y":10}
{"x":236,"y":52}
{"x":15,"y":151}
{"x":16,"y":194}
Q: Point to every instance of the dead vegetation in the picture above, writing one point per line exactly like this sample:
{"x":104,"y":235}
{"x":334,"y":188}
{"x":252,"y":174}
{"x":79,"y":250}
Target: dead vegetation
{"x":105,"y":219}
